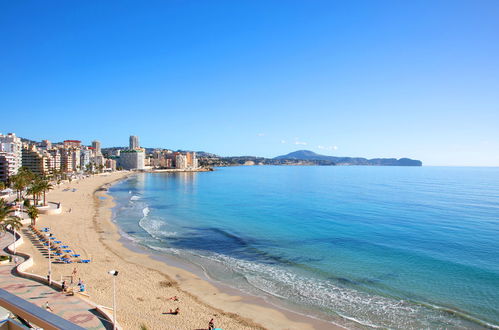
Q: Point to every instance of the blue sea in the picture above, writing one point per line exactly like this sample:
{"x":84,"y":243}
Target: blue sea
{"x":368,"y":247}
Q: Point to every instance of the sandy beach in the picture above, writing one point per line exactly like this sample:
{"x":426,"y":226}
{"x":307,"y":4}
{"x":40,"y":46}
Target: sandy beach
{"x":144,"y":285}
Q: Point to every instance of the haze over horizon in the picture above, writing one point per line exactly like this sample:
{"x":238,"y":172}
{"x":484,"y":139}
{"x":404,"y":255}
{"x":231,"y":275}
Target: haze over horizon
{"x":363,"y":79}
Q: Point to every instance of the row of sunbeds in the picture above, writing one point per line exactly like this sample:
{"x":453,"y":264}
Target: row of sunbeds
{"x":62,"y":253}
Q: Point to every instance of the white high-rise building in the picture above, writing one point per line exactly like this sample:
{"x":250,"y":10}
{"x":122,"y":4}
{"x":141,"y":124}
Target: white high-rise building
{"x":132,"y":159}
{"x":54,"y":160}
{"x":11,"y":155}
{"x":85,"y":155}
{"x":180,"y":161}
{"x":134,"y":142}
{"x":76,"y":159}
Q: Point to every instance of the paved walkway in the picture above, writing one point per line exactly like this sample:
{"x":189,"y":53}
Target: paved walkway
{"x":70,"y":308}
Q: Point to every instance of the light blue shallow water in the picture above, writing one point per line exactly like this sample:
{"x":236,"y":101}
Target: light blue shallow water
{"x":397,"y":247}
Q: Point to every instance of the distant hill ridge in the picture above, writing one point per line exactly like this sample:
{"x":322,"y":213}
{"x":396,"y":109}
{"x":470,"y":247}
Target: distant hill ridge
{"x":307,"y":155}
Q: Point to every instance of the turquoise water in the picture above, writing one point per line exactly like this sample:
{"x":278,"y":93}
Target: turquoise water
{"x":396,"y":247}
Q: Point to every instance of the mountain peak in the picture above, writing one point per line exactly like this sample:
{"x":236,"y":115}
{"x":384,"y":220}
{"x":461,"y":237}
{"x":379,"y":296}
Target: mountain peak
{"x":302,"y":155}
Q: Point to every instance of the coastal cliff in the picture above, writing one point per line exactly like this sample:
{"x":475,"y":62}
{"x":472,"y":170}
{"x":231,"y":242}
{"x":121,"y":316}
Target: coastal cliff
{"x":307,"y":155}
{"x":302,"y":157}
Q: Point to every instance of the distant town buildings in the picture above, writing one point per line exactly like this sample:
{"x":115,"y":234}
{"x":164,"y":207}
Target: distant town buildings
{"x":71,"y":157}
{"x":72,"y":144}
{"x":46,"y":159}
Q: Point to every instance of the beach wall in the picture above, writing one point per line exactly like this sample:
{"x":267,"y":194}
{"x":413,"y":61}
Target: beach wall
{"x":50,"y":210}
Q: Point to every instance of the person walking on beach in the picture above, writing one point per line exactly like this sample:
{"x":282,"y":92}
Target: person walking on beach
{"x":211,"y":325}
{"x":63,"y":286}
{"x":73,"y":275}
{"x":48,"y":308}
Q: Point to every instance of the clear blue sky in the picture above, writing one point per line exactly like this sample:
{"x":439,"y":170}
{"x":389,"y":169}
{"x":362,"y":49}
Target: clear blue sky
{"x":418,"y":79}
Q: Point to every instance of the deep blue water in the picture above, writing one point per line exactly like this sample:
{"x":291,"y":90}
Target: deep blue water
{"x":397,"y":247}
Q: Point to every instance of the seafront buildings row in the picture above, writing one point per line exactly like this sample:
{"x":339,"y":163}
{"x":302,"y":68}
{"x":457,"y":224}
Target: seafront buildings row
{"x":45,"y":158}
{"x":72,"y":157}
{"x":136,"y":157}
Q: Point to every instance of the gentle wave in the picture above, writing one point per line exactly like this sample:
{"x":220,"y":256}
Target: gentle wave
{"x":153,"y":226}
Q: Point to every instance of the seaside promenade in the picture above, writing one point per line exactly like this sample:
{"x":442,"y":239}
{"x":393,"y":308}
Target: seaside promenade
{"x":70,"y":308}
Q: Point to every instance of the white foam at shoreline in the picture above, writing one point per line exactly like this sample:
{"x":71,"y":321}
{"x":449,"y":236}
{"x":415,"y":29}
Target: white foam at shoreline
{"x":154,"y":226}
{"x":362,"y":308}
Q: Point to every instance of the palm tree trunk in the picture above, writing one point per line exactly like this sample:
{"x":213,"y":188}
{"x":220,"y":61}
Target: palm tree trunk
{"x":44,"y":199}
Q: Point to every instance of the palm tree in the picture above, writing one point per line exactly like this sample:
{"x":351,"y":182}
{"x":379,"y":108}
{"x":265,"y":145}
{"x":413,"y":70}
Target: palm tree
{"x":33,"y":214}
{"x":22,"y":180}
{"x":13,"y":223}
{"x":5,"y":210}
{"x":45,"y":186}
{"x":8,"y":220}
{"x":35,"y":189}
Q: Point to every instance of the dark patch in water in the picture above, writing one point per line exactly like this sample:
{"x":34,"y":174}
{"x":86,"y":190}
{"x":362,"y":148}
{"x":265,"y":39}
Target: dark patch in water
{"x":343,"y":280}
{"x":219,"y":241}
{"x":367,"y":280}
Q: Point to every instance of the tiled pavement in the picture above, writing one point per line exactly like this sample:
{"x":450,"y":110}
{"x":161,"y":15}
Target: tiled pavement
{"x":70,"y":308}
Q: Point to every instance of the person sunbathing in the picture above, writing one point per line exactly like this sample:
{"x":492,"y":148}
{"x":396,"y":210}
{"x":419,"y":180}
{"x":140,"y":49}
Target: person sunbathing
{"x":175,"y":312}
{"x":174,"y":298}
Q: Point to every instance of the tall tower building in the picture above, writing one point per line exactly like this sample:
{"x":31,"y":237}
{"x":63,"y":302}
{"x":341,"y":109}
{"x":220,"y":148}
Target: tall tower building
{"x":134,"y":142}
{"x":96,"y":146}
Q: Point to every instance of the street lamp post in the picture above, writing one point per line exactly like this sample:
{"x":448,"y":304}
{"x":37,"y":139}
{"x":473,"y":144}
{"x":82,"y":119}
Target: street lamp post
{"x":50,"y":261}
{"x":14,"y":228}
{"x":114,"y":273}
